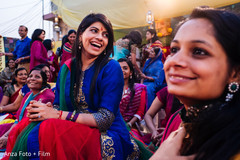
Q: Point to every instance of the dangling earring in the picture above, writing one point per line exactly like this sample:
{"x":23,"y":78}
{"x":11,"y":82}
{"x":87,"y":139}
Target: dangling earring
{"x":232,"y":88}
{"x":104,"y":52}
{"x":130,"y":77}
{"x":80,"y":45}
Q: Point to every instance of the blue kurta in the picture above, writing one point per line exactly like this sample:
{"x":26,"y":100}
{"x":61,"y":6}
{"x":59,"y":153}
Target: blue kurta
{"x":153,"y":68}
{"x":108,"y":93}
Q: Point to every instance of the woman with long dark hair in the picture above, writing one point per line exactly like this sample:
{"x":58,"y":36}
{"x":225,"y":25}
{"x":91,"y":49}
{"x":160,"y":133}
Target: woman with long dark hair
{"x":153,"y":42}
{"x":203,"y":72}
{"x":134,"y":98}
{"x":67,"y":46}
{"x":38,"y":51}
{"x":88,"y":92}
{"x":54,"y":67}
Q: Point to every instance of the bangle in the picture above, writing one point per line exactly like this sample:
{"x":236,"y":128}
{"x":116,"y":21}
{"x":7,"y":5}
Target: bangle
{"x":129,"y":124}
{"x":60,"y":115}
{"x":72,"y":116}
{"x":75,"y":117}
{"x":69,"y":115}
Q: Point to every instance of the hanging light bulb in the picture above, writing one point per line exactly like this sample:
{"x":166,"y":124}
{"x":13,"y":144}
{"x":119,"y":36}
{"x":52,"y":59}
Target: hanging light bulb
{"x":150,"y":18}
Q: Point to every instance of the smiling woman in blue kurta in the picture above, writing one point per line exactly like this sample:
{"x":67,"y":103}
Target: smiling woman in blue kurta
{"x":89,"y":89}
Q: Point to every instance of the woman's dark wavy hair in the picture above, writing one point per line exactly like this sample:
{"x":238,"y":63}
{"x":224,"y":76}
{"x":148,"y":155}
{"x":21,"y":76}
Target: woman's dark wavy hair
{"x":153,"y":32}
{"x":135,"y":37}
{"x":47,"y":44}
{"x":36,"y":34}
{"x":14,"y":81}
{"x":44,"y":77}
{"x":64,"y":40}
{"x":102,"y":59}
{"x":131,"y":81}
{"x":215,"y":133}
{"x":70,"y":32}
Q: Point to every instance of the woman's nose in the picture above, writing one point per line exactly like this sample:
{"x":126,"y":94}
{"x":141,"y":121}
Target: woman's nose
{"x":178,"y":59}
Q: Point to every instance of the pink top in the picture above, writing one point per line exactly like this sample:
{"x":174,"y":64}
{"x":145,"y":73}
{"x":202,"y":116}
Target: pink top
{"x":38,"y":54}
{"x":172,"y":125}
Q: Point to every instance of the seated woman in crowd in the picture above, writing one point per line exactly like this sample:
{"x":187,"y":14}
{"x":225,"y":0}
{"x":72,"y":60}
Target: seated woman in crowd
{"x":7,"y":74}
{"x":153,"y":74}
{"x":89,"y":89}
{"x":37,"y":82}
{"x":67,"y":46}
{"x":134,"y":98}
{"x":203,"y":72}
{"x":153,"y":42}
{"x":13,"y":107}
{"x":54,"y":67}
{"x":165,"y":101}
{"x":11,"y":91}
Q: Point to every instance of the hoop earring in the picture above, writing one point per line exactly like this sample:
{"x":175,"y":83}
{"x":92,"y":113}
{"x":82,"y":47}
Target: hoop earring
{"x":232,"y":88}
{"x":80,"y":45}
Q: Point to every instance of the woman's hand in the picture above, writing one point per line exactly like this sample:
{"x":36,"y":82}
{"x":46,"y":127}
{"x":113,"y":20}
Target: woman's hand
{"x":38,"y":111}
{"x":170,"y":148}
{"x":3,"y":141}
{"x":157,"y":136}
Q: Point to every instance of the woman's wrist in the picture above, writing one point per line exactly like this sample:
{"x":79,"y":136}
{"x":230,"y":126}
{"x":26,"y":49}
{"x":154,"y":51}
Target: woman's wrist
{"x":129,"y":124}
{"x":1,"y":109}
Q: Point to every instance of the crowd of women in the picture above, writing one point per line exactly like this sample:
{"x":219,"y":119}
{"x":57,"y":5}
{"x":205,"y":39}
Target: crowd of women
{"x":107,"y":105}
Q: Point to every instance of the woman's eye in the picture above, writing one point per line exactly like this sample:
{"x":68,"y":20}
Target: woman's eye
{"x":105,"y":35}
{"x":94,"y":30}
{"x":174,"y":49}
{"x":199,"y":51}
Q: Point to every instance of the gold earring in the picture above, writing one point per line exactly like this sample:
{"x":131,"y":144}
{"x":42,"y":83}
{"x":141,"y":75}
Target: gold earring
{"x":80,"y":45}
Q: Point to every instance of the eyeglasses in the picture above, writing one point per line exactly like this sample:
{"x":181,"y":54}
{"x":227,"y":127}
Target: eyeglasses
{"x":21,"y":74}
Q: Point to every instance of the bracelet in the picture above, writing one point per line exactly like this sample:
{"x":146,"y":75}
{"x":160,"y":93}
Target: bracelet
{"x":69,"y":115}
{"x":1,"y":109}
{"x":60,"y":115}
{"x":75,"y":117}
{"x":72,"y":116}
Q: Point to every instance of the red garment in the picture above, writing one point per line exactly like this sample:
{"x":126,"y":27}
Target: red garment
{"x":137,"y":106}
{"x":172,"y":125}
{"x":167,"y":100}
{"x":38,"y":54}
{"x":66,"y":52}
{"x":69,"y":140}
{"x":54,"y":68}
{"x":14,"y":96}
{"x":12,"y":137}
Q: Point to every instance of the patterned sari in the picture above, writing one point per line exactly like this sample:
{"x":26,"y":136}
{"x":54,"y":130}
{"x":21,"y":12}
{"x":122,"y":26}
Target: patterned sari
{"x":66,"y":53}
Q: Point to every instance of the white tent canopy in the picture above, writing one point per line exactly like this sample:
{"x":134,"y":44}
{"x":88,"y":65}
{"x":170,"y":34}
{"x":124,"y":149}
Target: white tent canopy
{"x":14,"y":13}
{"x":130,"y":13}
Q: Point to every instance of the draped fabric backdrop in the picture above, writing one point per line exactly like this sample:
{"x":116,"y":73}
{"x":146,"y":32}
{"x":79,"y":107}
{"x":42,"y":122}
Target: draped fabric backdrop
{"x":130,"y":13}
